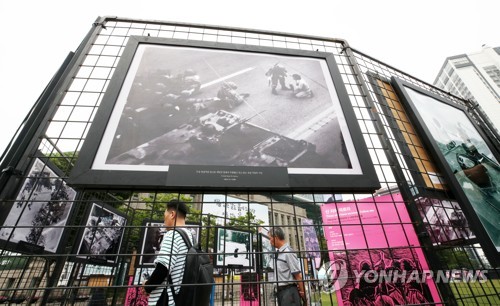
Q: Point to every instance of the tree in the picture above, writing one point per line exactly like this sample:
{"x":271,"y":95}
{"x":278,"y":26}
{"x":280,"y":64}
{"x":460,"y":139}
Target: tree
{"x":247,"y":222}
{"x":65,"y":161}
{"x":457,"y":258}
{"x":207,"y":235}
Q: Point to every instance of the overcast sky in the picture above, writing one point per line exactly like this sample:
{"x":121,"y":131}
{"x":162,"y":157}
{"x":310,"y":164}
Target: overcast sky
{"x":413,"y":36}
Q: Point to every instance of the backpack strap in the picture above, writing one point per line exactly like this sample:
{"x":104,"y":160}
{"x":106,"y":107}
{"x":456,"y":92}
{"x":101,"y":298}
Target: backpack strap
{"x":189,"y":245}
{"x":185,"y":237}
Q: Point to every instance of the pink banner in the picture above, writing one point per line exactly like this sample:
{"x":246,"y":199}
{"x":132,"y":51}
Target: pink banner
{"x":375,"y":235}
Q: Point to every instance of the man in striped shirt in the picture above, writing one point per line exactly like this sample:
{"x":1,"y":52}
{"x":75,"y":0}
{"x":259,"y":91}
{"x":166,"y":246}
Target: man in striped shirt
{"x":172,"y":257}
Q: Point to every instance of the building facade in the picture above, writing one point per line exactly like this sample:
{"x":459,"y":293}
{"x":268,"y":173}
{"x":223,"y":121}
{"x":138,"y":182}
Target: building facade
{"x":474,"y":76}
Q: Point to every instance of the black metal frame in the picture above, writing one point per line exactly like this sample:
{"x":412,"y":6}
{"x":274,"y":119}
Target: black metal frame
{"x":423,"y":189}
{"x":184,"y":176}
{"x":263,"y":251}
{"x":439,"y":196}
{"x":90,"y":258}
{"x":27,"y":132}
{"x":475,"y":223}
{"x":18,"y":158}
{"x":217,"y":251}
{"x":23,"y":246}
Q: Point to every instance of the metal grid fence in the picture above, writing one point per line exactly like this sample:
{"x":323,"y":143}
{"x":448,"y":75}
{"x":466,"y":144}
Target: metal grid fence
{"x":71,"y":274}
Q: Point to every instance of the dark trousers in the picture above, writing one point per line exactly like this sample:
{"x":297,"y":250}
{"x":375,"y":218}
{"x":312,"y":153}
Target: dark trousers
{"x":289,"y":296}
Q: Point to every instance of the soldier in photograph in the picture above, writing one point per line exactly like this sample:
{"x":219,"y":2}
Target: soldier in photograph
{"x":277,"y":74}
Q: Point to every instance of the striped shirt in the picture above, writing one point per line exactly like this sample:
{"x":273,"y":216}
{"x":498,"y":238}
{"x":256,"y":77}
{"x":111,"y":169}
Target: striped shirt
{"x":172,"y":255}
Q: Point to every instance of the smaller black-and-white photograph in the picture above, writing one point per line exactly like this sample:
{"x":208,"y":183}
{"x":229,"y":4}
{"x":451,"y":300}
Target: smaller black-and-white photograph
{"x":153,"y":236}
{"x":102,"y":235}
{"x":444,"y":220}
{"x":267,"y":250}
{"x":41,"y":209}
{"x":151,"y":241}
{"x":194,"y":228}
{"x":233,"y":248}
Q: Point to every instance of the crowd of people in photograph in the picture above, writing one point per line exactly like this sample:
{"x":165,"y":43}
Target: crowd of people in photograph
{"x":180,"y":91}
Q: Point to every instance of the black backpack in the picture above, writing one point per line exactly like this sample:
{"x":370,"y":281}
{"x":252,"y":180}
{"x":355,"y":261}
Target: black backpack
{"x":198,"y":277}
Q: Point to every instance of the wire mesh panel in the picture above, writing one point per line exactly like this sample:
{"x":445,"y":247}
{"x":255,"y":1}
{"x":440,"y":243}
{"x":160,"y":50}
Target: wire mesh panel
{"x":409,"y":242}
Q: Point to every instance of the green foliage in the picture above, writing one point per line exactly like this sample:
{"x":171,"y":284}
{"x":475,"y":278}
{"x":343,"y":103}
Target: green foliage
{"x":12,"y":261}
{"x":247,"y":222}
{"x":328,"y":298}
{"x":151,"y":207}
{"x":457,"y":258}
{"x":65,"y":161}
{"x":207,"y":235}
{"x":121,"y":196}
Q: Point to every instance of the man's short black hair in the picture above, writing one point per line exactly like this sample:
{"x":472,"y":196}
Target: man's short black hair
{"x":179,"y":207}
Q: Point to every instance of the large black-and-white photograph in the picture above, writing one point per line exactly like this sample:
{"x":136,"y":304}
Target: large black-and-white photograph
{"x":176,"y":105}
{"x":153,"y":236}
{"x":102,"y":235}
{"x":233,"y":248}
{"x":193,"y":106}
{"x":41,"y":209}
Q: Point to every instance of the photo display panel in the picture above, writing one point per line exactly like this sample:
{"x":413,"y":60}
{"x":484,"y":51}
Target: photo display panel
{"x":187,"y":114}
{"x":233,"y":248}
{"x":311,"y":241}
{"x":267,"y":250}
{"x":444,"y":221}
{"x":102,"y":236}
{"x":41,"y":210}
{"x":466,"y":155}
{"x":375,"y":235}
